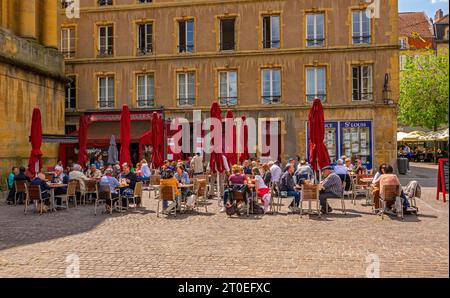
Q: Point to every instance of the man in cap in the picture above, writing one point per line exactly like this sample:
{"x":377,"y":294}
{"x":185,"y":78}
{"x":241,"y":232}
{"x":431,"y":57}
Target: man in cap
{"x":331,"y":188}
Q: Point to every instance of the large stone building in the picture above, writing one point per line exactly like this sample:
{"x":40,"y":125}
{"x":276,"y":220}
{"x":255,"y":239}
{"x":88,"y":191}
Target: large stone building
{"x":263,"y":59}
{"x":31,"y":75}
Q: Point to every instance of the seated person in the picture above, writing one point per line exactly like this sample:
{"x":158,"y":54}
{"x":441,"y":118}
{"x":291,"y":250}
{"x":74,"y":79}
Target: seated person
{"x":111,"y":183}
{"x":183,"y":178}
{"x":167,"y":178}
{"x":266,"y":174}
{"x":77,"y":174}
{"x":349,"y":165}
{"x":389,"y":178}
{"x":304,"y":171}
{"x":331,"y":188}
{"x":341,"y":170}
{"x":360,"y":169}
{"x":45,"y":189}
{"x":288,"y":185}
{"x":129,"y":178}
{"x":21,"y":176}
{"x":145,"y":171}
{"x":93,"y":172}
{"x":246,"y":167}
{"x":236,"y":179}
{"x":379,"y":173}
{"x":60,"y":178}
{"x":261,"y":188}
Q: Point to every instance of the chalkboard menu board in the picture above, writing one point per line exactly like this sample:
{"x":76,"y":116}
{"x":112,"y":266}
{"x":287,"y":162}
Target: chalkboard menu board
{"x":445,"y":168}
{"x":443,"y":179}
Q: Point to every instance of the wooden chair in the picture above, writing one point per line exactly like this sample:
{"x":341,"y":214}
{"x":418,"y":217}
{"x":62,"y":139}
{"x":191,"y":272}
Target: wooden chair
{"x":91,"y":189}
{"x":20,"y":187}
{"x":154,"y":184}
{"x":34,"y":194}
{"x":358,"y":188}
{"x":71,"y":193}
{"x":137,"y":195}
{"x":310,"y":193}
{"x":275,"y":194}
{"x":78,"y":189}
{"x":239,"y":198}
{"x":389,"y":193}
{"x":200,"y":194}
{"x":167,"y":193}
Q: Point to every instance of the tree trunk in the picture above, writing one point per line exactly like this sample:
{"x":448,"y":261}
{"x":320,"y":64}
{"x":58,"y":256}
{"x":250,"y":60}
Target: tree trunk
{"x":434,"y":146}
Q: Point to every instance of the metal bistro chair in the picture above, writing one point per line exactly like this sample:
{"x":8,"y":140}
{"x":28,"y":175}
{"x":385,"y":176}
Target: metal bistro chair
{"x":310,"y":193}
{"x":78,"y":189}
{"x":167,"y":193}
{"x":275,"y":194}
{"x":20,"y":187}
{"x":389,"y":193}
{"x":34,"y":194}
{"x":91,"y":189}
{"x":358,"y":189}
{"x":71,"y":193}
{"x":342,"y":198}
{"x":239,"y":197}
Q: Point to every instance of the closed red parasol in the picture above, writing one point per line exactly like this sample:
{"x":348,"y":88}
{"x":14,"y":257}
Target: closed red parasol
{"x":125,"y":124}
{"x":318,"y":153}
{"x":157,"y":137}
{"x":82,"y":141}
{"x":244,"y":155}
{"x":35,"y":161}
{"x":216,"y":161}
{"x":230,"y":145}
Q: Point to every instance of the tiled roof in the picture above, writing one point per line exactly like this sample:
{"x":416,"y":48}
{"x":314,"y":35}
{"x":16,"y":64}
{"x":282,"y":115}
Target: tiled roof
{"x":414,"y":22}
{"x":443,"y":20}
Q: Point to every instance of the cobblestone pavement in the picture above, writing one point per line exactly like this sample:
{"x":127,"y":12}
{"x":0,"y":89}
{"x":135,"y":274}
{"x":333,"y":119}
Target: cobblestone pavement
{"x":138,"y":244}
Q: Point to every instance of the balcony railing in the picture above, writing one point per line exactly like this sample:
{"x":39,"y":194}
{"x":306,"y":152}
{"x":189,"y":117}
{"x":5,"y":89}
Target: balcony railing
{"x":321,"y":96}
{"x":142,"y":51}
{"x":185,"y":101}
{"x":361,"y":39}
{"x":227,"y":46}
{"x":269,"y":100}
{"x":271,"y":44}
{"x":185,"y":48}
{"x":360,"y":96}
{"x":105,"y":52}
{"x":149,"y":102}
{"x":68,"y":54}
{"x":315,"y":42}
{"x":105,"y":2}
{"x":105,"y":104}
{"x":228,"y":101}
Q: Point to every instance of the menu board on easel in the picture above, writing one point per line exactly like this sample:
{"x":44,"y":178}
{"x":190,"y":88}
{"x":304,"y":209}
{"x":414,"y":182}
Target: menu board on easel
{"x":443,"y":179}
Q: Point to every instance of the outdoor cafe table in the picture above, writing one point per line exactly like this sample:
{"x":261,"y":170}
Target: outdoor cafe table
{"x":54,"y":186}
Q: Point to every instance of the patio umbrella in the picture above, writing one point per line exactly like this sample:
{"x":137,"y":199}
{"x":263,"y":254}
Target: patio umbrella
{"x":113,"y":154}
{"x":230,"y":145}
{"x":82,"y":141}
{"x":318,"y":153}
{"x":244,"y":155}
{"x":125,"y":127}
{"x":35,"y":161}
{"x":216,"y":160}
{"x":157,"y":136}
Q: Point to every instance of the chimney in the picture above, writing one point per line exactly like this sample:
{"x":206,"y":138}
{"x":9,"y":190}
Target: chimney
{"x":439,"y":15}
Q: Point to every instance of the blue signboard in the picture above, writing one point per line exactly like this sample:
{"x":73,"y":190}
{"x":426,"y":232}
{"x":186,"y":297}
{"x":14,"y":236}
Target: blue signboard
{"x":330,"y":140}
{"x":356,"y":141}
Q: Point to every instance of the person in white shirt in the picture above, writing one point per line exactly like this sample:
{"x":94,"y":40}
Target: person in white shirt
{"x":275,"y":171}
{"x":340,"y":168}
{"x":262,"y":190}
{"x":145,"y":169}
{"x":197,"y":164}
{"x":222,"y":175}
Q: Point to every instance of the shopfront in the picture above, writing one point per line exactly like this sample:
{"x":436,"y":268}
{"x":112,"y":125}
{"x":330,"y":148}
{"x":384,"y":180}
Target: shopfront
{"x":353,"y":139}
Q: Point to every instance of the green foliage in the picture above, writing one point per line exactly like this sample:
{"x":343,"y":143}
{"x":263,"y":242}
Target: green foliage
{"x":424,"y":91}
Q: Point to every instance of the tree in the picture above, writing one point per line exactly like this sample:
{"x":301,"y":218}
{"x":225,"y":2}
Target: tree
{"x":424,"y":91}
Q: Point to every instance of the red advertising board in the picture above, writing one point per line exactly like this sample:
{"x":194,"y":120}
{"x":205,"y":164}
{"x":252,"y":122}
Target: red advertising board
{"x":443,"y":179}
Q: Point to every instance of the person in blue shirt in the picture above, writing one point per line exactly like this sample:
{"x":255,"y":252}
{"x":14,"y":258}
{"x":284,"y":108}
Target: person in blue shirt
{"x":99,"y":163}
{"x":111,"y":183}
{"x":14,"y":172}
{"x":145,"y":171}
{"x":183,"y":178}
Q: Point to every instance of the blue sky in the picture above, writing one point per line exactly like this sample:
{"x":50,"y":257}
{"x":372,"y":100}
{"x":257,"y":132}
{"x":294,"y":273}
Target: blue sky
{"x":429,"y":6}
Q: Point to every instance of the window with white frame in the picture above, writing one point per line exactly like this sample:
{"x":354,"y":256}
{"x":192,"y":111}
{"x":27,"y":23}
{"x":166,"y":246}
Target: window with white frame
{"x":362,"y":82}
{"x":228,"y":87}
{"x":145,"y":38}
{"x":71,"y":93}
{"x":315,"y":30}
{"x":145,"y":90}
{"x":271,"y":32}
{"x":186,"y":88}
{"x":271,"y":85}
{"x":105,"y":40}
{"x":361,"y":27}
{"x":106,"y":92}
{"x":186,"y":36}
{"x":316,"y":83}
{"x":68,"y":42}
